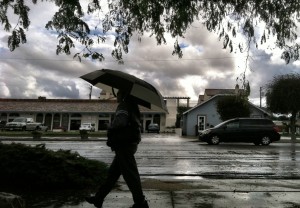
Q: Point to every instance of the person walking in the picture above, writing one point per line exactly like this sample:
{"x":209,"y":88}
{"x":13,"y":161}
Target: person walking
{"x":123,"y":138}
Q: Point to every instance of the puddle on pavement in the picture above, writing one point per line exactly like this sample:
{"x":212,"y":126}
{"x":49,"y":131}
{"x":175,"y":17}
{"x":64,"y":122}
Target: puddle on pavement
{"x":169,"y":185}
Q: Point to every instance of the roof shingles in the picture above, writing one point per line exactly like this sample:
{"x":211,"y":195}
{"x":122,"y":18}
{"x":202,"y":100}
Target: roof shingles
{"x":60,"y":105}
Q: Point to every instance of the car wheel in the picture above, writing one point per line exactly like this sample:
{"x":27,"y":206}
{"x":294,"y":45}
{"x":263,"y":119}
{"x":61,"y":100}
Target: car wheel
{"x":265,"y":140}
{"x":214,"y":140}
{"x":38,"y":128}
{"x":24,"y":128}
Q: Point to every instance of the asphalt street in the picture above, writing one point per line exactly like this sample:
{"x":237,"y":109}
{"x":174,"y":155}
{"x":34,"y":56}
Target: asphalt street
{"x":183,"y":172}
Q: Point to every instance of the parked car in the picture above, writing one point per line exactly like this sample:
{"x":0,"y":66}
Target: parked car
{"x":21,"y":123}
{"x":42,"y":127}
{"x":36,"y":126}
{"x":87,"y":126}
{"x":253,"y":130}
{"x":153,"y":128}
{"x":281,"y":125}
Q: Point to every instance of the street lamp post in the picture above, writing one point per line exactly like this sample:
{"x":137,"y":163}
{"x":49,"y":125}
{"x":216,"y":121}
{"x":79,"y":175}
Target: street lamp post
{"x":260,"y":95}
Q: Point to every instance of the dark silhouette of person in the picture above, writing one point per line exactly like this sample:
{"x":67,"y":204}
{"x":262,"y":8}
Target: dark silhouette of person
{"x":123,"y":138}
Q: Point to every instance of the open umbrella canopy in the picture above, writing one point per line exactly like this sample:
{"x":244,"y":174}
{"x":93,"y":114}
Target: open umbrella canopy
{"x":141,"y":91}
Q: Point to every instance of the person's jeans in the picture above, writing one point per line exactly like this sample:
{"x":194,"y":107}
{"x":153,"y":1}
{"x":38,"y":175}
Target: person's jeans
{"x":124,"y":163}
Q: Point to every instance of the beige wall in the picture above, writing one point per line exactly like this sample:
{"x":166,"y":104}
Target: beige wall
{"x":172,"y":108}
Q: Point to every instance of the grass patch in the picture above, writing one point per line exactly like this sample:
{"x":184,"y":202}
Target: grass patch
{"x":37,"y":168}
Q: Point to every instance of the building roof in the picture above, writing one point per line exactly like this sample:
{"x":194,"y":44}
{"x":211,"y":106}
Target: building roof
{"x":213,"y":92}
{"x":201,"y":98}
{"x":222,"y":95}
{"x":208,"y":93}
{"x":62,"y":106}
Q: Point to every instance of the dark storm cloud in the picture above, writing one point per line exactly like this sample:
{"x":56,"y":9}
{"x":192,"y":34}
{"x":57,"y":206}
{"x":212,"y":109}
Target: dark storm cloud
{"x":59,"y":89}
{"x":264,"y":70}
{"x":168,"y":86}
{"x":212,"y":52}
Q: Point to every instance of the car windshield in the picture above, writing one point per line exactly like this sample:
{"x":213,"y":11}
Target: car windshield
{"x":86,"y":125}
{"x":19,"y":120}
{"x":153,"y":125}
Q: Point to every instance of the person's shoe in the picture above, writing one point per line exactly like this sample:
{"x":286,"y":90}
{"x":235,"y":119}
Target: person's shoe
{"x":93,"y":200}
{"x":143,"y":205}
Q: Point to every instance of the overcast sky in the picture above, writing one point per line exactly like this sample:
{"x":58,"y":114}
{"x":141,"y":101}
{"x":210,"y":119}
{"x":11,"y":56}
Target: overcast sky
{"x":34,"y":69}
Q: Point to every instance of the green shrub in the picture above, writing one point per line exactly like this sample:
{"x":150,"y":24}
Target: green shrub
{"x":36,"y":168}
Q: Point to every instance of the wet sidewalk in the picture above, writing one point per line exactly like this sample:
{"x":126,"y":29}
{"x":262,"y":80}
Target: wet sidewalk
{"x":209,"y":193}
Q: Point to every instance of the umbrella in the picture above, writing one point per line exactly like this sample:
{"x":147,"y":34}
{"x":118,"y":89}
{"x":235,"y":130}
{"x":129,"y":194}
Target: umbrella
{"x":141,"y":91}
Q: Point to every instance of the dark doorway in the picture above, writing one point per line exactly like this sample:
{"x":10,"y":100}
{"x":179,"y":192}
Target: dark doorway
{"x":147,"y":124}
{"x":75,"y":124}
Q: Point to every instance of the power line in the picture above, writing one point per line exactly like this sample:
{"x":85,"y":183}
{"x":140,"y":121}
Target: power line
{"x":31,"y":59}
{"x":132,"y":60}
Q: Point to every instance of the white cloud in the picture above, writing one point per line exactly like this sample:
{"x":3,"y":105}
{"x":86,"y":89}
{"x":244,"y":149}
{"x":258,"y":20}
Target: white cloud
{"x":4,"y":90}
{"x":193,"y":85}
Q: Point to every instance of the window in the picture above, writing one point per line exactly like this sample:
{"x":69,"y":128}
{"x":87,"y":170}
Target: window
{"x":233,"y":125}
{"x":201,"y":123}
{"x":266,"y":122}
{"x":156,"y":119}
{"x":65,"y":121}
{"x":248,"y":123}
{"x":255,"y":123}
{"x":3,"y":117}
{"x":14,"y":115}
{"x":103,"y":115}
{"x":39,"y":117}
{"x":56,"y":121}
{"x":48,"y":120}
{"x":78,"y":115}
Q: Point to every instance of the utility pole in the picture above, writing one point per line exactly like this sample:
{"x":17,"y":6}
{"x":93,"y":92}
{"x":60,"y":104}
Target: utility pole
{"x":260,"y":96}
{"x":90,"y":95}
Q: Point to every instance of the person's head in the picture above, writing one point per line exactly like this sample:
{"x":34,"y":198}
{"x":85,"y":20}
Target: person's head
{"x":121,"y":95}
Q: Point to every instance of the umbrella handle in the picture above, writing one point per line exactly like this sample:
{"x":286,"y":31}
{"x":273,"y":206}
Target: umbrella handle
{"x":113,"y":91}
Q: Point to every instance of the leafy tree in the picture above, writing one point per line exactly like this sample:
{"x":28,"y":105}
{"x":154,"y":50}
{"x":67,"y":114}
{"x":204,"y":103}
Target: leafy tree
{"x":232,"y":106}
{"x":283,"y":96}
{"x":247,"y":89}
{"x":228,"y":18}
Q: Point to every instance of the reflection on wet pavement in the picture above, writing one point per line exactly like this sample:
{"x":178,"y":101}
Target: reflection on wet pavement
{"x":170,"y":155}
